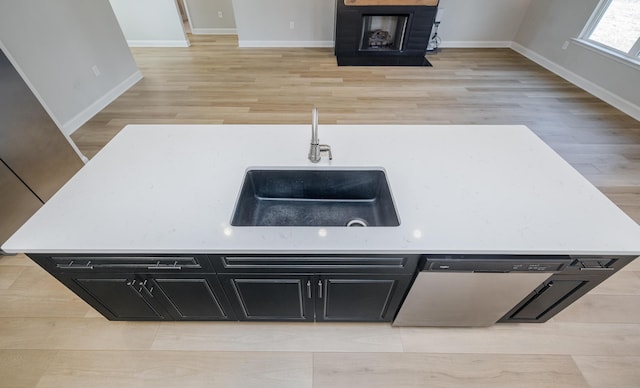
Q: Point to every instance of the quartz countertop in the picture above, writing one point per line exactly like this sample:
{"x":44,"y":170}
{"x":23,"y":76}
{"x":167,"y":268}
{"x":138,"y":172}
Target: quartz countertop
{"x":457,"y":189}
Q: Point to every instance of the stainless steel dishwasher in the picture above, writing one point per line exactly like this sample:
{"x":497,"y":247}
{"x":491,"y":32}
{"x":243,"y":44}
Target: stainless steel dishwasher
{"x":473,"y":290}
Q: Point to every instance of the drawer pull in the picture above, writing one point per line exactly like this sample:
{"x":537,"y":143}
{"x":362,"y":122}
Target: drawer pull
{"x":173,"y":266}
{"x":600,"y":264}
{"x":127,"y":262}
{"x":596,"y":269}
{"x":71,"y":265}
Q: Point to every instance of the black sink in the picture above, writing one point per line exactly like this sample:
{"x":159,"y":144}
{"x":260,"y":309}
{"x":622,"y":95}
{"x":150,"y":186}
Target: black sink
{"x":315,"y":198}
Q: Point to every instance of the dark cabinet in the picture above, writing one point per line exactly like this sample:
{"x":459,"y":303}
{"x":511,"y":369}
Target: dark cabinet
{"x":143,"y":287}
{"x":244,"y":287}
{"x":549,"y":295}
{"x":271,"y":297}
{"x":562,"y":289}
{"x":119,"y":296}
{"x":278,"y":297}
{"x":371,"y":298}
{"x":194,"y":298}
{"x":316,"y":287}
{"x":153,"y":297}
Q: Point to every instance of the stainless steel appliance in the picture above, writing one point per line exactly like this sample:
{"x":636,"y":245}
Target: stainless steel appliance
{"x":473,"y":290}
{"x":35,"y":157}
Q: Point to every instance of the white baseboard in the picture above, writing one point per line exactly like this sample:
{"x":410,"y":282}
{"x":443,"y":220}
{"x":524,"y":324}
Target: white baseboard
{"x":285,"y":43}
{"x":476,"y":44}
{"x":78,"y":120}
{"x":330,"y":43}
{"x":158,"y":43}
{"x":214,"y":31}
{"x":581,"y":82}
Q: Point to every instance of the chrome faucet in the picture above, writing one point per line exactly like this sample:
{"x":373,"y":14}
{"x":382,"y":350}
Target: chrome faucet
{"x":316,"y":149}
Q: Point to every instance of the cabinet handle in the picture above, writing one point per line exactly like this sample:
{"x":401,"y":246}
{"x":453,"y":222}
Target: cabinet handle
{"x":320,"y":289}
{"x":545,"y":288}
{"x":309,"y":289}
{"x":149,"y":291}
{"x":132,"y":285}
{"x":139,"y":286}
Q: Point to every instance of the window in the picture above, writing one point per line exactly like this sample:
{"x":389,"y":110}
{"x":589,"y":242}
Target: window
{"x":615,"y":26}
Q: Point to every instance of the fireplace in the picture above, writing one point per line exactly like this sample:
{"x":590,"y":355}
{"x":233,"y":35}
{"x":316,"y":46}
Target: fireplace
{"x":383,"y":32}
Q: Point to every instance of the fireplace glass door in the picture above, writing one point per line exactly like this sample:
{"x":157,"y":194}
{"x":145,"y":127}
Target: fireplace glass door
{"x":383,"y":32}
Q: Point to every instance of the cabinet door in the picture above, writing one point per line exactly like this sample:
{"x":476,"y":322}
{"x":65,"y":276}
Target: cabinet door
{"x":369,"y":298}
{"x":271,"y":297}
{"x":121,"y":297}
{"x":547,"y":297}
{"x":552,"y":297}
{"x":194,"y":298}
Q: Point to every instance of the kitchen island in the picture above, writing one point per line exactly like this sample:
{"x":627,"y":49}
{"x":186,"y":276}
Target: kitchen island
{"x":159,"y":199}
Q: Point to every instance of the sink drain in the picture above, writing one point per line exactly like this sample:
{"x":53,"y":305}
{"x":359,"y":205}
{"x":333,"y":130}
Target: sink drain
{"x":357,"y":222}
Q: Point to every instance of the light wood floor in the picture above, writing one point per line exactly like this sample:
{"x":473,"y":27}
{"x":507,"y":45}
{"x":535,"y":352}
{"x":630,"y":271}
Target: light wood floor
{"x":50,"y":338}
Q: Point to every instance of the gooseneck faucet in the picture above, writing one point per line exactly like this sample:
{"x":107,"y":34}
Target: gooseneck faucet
{"x":316,"y":149}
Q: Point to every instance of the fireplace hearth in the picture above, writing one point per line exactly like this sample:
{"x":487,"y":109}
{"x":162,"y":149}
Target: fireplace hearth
{"x":383,"y":32}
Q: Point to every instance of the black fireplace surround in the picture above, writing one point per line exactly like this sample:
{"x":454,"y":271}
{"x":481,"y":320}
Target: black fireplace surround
{"x":383,"y":35}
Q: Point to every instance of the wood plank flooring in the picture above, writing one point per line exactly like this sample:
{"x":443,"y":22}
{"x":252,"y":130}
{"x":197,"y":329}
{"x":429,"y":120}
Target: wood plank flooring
{"x":50,"y":338}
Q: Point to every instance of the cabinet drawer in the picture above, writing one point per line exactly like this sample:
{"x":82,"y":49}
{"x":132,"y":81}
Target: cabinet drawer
{"x":124,"y":263}
{"x":316,"y":264}
{"x":603,"y":266}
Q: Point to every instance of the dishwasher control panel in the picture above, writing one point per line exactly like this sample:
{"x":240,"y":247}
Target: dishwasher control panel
{"x":496,"y":264}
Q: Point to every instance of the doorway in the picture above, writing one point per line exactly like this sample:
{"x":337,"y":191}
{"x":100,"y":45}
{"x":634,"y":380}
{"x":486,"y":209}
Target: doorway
{"x":151,"y":23}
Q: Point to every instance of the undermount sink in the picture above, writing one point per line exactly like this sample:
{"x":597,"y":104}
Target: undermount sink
{"x":315,"y":198}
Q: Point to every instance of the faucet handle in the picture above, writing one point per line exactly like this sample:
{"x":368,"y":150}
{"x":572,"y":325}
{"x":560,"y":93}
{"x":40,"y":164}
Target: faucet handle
{"x":326,"y":148}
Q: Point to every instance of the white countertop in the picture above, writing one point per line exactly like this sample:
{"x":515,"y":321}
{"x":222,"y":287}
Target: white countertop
{"x":457,"y":189}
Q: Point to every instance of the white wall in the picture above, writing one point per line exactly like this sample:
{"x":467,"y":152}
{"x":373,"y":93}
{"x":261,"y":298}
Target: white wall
{"x":548,"y":24}
{"x":263,"y":23}
{"x":465,"y":23}
{"x":55,"y":44}
{"x":473,"y":23}
{"x":150,"y":23}
{"x":204,"y":16}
